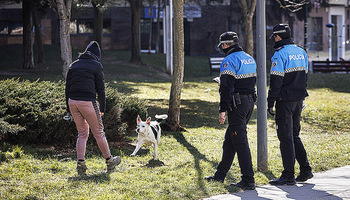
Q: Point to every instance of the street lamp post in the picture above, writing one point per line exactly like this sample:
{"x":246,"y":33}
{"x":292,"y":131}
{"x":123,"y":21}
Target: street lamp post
{"x":261,"y":86}
{"x":330,"y":26}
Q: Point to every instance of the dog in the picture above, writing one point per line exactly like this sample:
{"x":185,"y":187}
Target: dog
{"x":149,"y":133}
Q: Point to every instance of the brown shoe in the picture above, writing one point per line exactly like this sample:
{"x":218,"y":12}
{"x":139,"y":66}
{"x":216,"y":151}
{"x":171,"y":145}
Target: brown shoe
{"x":113,"y":162}
{"x":81,"y":166}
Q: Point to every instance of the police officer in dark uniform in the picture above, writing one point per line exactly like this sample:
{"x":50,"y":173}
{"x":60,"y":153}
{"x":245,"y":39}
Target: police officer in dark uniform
{"x":288,"y":82}
{"x":237,"y":97}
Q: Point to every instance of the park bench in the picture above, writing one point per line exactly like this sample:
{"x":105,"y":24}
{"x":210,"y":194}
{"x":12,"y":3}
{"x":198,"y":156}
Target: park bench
{"x":331,"y":66}
{"x":214,"y":63}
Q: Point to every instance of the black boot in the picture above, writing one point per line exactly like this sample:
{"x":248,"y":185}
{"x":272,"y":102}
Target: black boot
{"x":304,"y":176}
{"x":212,"y":178}
{"x":283,"y":181}
{"x":244,"y":185}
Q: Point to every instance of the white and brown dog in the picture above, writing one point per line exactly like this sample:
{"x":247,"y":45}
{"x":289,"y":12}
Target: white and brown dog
{"x":149,"y":133}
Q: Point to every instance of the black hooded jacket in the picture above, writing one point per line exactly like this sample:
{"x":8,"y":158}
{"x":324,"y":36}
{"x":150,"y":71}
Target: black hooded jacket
{"x":85,"y":77}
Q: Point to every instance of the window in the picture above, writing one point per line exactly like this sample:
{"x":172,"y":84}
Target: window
{"x":315,"y":34}
{"x":107,"y":27}
{"x":11,"y":28}
{"x":80,"y":26}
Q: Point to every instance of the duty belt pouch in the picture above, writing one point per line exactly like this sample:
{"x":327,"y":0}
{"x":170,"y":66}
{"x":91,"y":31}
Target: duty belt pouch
{"x":233,"y":103}
{"x":237,"y":99}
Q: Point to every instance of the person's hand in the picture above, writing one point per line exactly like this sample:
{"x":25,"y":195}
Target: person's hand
{"x":270,"y":105}
{"x":217,"y":79}
{"x":222,"y":117}
{"x":271,"y":112}
{"x":303,"y":106}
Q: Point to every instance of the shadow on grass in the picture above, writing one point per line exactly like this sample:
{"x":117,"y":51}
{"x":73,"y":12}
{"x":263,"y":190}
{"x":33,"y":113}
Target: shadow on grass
{"x":96,"y":178}
{"x":196,"y":113}
{"x":335,"y":82}
{"x":61,"y":154}
{"x":269,"y":175}
{"x":198,"y":156}
{"x":154,"y":163}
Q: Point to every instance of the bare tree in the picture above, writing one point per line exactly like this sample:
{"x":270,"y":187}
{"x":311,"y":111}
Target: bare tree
{"x":248,"y":9}
{"x":135,"y":24}
{"x":158,"y":28}
{"x":292,"y":5}
{"x":38,"y":36}
{"x":28,"y":54}
{"x":64,"y":14}
{"x":98,"y":19}
{"x":173,"y":122}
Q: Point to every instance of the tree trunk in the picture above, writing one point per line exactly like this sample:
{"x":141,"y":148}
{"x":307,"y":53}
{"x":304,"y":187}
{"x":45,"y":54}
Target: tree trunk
{"x":64,"y":11}
{"x":173,"y":121}
{"x":158,"y":28}
{"x":135,"y":32}
{"x":38,"y":37}
{"x":28,"y":55}
{"x":98,"y":23}
{"x":248,"y":9}
{"x":230,"y":21}
{"x":248,"y":29}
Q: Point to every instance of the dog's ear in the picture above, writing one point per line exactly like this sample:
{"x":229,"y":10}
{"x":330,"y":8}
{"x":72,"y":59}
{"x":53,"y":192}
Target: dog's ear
{"x":148,"y":121}
{"x":138,"y":120}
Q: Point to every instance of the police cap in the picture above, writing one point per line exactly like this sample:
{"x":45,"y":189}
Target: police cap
{"x":228,"y":37}
{"x":282,"y":30}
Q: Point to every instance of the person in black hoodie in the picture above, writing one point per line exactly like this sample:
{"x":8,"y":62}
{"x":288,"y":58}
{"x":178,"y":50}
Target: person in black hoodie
{"x":84,"y":80}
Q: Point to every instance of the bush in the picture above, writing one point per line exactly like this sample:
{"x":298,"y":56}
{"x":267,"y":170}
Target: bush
{"x":8,"y":152}
{"x":9,"y":128}
{"x":33,"y":113}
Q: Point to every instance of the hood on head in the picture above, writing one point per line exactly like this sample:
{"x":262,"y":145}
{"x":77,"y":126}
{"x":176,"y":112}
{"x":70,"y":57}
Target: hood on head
{"x":93,"y":49}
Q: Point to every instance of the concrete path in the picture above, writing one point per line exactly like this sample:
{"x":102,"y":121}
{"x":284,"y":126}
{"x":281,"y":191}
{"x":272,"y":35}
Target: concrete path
{"x":329,"y":185}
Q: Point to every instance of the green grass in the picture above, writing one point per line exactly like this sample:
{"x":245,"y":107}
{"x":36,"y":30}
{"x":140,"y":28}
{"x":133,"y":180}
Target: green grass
{"x":41,"y":172}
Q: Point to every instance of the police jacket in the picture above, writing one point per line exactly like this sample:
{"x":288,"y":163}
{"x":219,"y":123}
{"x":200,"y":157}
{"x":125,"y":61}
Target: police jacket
{"x":289,"y":71}
{"x":237,"y":75}
{"x":85,"y":79}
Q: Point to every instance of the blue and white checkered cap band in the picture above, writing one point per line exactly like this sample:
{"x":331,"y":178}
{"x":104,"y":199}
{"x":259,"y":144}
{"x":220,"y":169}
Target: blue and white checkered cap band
{"x":226,"y":41}
{"x":280,"y":31}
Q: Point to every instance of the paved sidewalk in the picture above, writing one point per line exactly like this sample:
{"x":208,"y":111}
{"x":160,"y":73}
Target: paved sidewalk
{"x":328,"y":185}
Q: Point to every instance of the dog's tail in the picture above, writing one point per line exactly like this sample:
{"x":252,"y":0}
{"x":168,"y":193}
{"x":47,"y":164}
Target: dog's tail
{"x":160,"y":118}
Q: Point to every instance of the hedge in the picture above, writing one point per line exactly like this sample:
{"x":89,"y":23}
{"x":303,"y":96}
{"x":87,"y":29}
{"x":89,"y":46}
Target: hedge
{"x":32,"y":112}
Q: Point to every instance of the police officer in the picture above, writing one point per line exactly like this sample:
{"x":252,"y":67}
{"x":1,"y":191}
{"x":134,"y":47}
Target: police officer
{"x":288,"y":81}
{"x":237,"y":97}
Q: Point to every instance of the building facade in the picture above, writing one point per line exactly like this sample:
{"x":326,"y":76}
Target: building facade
{"x":202,"y":26}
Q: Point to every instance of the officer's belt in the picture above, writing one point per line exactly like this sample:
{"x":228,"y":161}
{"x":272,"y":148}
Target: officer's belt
{"x":245,"y":95}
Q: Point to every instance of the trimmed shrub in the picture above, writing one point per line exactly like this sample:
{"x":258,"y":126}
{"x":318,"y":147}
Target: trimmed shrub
{"x":34,"y":111}
{"x":9,"y":128}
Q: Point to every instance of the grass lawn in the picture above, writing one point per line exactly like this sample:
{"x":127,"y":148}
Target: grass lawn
{"x":42,"y":172}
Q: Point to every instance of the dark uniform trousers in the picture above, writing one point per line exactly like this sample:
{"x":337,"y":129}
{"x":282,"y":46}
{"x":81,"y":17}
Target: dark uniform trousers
{"x":288,"y":127}
{"x":236,"y":141}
